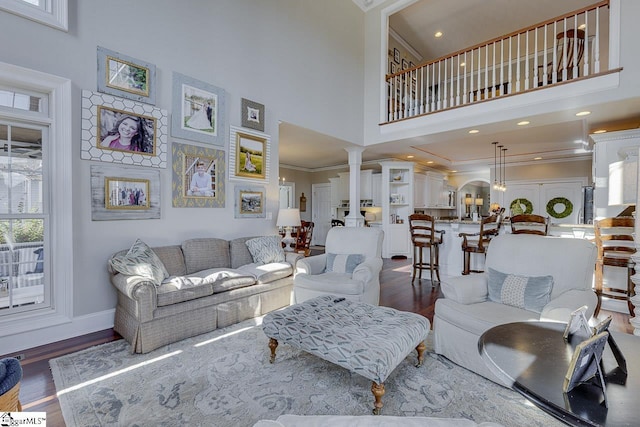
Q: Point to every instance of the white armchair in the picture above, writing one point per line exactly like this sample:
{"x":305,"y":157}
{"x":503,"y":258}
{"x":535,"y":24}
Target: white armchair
{"x":469,"y":307}
{"x":349,"y":268}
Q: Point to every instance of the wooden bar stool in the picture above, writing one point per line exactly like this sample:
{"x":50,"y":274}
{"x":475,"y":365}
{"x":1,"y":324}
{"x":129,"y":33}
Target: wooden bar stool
{"x":424,"y":235}
{"x":476,"y":243}
{"x":614,"y":240}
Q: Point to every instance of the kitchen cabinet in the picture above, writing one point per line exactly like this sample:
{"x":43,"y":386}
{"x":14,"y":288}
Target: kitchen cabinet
{"x":397,"y":205}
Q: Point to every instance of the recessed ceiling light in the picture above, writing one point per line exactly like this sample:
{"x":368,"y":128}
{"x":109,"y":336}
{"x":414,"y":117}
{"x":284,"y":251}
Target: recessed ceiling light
{"x":583,"y":113}
{"x":600,"y":131}
{"x":474,"y":131}
{"x":430,"y":162}
{"x":438,"y":34}
{"x":523,"y":123}
{"x":409,"y":156}
{"x":453,"y":171}
{"x":537,"y":158}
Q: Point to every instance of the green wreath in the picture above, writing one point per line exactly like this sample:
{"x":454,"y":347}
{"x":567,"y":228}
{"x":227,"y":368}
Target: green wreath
{"x":568,"y":207}
{"x":516,"y":207}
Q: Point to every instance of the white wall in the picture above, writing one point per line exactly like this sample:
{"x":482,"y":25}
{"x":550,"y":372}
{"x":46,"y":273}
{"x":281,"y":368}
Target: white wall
{"x":302,"y":59}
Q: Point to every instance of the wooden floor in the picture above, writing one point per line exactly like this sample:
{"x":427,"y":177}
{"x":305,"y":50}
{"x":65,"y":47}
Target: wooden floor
{"x":38,"y":394}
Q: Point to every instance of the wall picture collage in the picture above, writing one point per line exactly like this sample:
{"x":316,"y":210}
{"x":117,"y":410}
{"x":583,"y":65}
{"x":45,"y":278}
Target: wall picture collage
{"x":121,"y":125}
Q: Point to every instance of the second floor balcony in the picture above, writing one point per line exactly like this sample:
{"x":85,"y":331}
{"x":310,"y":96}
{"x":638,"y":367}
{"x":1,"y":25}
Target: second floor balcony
{"x":570,"y":47}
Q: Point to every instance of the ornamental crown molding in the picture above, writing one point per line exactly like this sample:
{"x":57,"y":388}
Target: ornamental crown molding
{"x":367,"y":5}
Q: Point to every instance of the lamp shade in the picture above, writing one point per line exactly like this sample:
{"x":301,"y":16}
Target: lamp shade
{"x":479,"y":201}
{"x":289,"y":217}
{"x":468,"y":200}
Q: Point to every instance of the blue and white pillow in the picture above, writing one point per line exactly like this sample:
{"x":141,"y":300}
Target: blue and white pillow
{"x":140,"y":261}
{"x":265,"y":250}
{"x":343,"y":263}
{"x":529,"y":293}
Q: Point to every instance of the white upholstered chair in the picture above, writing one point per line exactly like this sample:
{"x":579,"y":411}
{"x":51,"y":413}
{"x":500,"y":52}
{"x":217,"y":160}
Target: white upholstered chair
{"x":349,"y":268}
{"x":470,"y":306}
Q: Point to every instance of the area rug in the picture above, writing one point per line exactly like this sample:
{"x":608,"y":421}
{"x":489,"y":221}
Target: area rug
{"x":224,"y":378}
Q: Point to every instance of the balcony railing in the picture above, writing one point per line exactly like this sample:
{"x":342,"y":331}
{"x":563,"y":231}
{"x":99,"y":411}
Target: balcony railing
{"x":574,"y":45}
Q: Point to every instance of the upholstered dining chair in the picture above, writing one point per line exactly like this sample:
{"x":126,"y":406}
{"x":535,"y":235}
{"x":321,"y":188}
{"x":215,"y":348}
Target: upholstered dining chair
{"x":425,"y":236}
{"x":614,"y":240}
{"x":477,"y":243}
{"x":349,"y":267}
{"x":569,"y":52}
{"x":529,"y":224}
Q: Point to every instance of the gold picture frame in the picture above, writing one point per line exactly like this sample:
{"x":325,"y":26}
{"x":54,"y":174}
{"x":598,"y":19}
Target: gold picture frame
{"x":123,"y":193}
{"x":111,"y":121}
{"x":122,"y":75}
{"x":249,"y":155}
{"x":250,"y":202}
{"x":188,"y":192}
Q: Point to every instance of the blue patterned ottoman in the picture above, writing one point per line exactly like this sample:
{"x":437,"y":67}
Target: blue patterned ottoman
{"x":363,"y":338}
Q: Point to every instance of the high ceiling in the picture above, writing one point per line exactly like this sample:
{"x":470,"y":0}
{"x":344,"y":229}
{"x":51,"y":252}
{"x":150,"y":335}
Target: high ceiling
{"x":466,"y":23}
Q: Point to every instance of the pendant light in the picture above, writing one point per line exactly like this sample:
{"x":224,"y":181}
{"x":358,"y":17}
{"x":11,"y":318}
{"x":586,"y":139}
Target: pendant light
{"x":503,"y":183}
{"x":496,"y":185}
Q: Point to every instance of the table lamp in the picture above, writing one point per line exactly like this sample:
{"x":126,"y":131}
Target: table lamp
{"x":479,"y":203}
{"x":288,"y":218}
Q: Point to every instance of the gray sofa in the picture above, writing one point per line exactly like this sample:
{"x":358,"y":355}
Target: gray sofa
{"x":224,"y":287}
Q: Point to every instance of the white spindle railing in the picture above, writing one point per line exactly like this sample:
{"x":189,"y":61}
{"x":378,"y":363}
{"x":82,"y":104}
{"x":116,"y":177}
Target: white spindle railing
{"x":538,"y":56}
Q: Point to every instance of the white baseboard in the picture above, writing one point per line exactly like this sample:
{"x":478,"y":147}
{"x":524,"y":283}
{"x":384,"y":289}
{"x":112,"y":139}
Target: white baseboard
{"x":81,"y":325}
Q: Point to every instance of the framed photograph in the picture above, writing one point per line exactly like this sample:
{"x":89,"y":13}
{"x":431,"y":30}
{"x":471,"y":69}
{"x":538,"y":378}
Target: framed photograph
{"x":249,"y":155}
{"x":123,"y":131}
{"x":252,"y":115}
{"x":126,"y":193}
{"x":405,"y":64}
{"x":198,"y":177}
{"x":577,"y":324}
{"x":121,"y":75}
{"x":396,"y":55}
{"x":585,"y":363}
{"x":198,"y":111}
{"x":119,"y":192}
{"x":250,"y":202}
{"x":393,"y":68}
{"x":126,"y":131}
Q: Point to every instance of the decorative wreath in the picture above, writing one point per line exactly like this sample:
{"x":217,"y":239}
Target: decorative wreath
{"x":516,"y":207}
{"x":551,"y":207}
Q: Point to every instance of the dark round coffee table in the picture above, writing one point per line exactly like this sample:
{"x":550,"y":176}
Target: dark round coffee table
{"x":534,"y":358}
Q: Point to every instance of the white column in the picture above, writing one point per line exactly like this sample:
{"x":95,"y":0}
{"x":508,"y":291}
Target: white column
{"x":635,"y":300}
{"x":354,"y":219}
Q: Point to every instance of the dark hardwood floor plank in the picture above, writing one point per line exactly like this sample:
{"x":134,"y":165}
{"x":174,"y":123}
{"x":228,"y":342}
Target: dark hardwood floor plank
{"x":38,"y":393}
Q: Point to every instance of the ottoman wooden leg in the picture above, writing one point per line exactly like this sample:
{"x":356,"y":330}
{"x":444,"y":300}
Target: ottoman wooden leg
{"x":420,"y":348}
{"x":378,"y":392}
{"x":273,"y":344}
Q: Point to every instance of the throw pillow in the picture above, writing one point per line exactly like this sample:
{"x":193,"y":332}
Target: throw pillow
{"x":529,"y":293}
{"x":265,"y":250}
{"x":343,"y":263}
{"x":140,"y":260}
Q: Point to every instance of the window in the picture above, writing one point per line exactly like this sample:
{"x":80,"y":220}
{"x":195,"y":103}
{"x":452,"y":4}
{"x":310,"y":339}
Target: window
{"x":49,"y":12}
{"x":36,"y":279}
{"x":24,"y":235}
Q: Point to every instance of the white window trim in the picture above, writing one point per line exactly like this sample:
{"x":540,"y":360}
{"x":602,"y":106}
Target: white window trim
{"x":55,"y":15}
{"x":60,"y":176}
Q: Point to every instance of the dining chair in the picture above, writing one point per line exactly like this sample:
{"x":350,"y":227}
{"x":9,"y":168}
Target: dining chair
{"x":303,"y":238}
{"x":615,"y":243}
{"x":477,"y":243}
{"x":569,"y":46}
{"x":425,"y":236}
{"x":529,"y":224}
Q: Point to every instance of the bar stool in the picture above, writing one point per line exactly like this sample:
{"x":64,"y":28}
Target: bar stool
{"x":614,"y":240}
{"x":423,"y":235}
{"x":476,"y":243}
